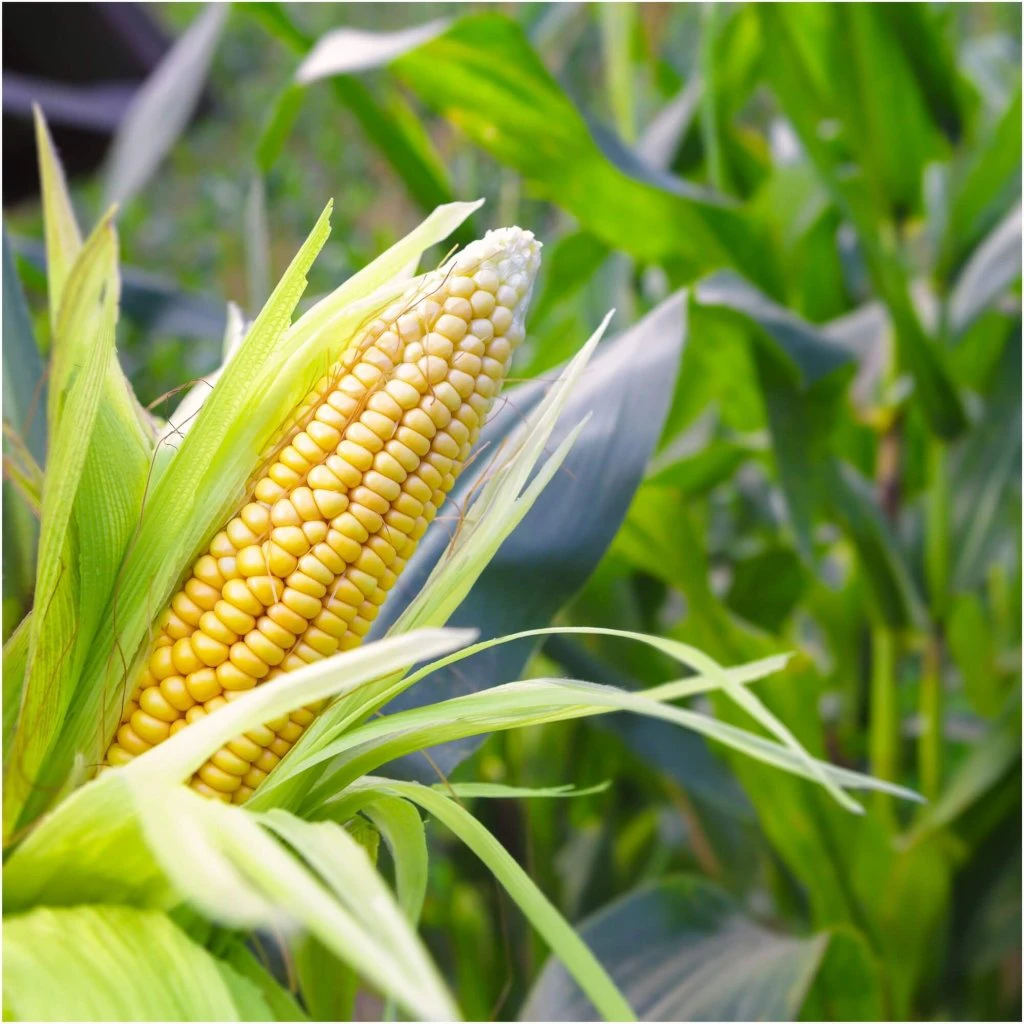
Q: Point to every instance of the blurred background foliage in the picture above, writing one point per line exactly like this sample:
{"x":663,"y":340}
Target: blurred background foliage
{"x":838,"y":473}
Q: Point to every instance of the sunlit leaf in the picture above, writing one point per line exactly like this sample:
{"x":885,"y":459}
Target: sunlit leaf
{"x":162,"y":108}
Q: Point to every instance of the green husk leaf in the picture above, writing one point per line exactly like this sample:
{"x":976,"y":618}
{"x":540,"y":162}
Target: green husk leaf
{"x":63,"y":238}
{"x":87,"y":318}
{"x":246,"y":878}
{"x":117,"y":963}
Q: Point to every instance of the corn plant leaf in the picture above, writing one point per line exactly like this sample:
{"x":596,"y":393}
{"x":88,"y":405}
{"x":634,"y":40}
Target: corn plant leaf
{"x":14,"y":665}
{"x":483,"y":76}
{"x":91,"y":849}
{"x":162,"y":108}
{"x":229,"y":864}
{"x":989,"y":272}
{"x":344,"y":51}
{"x":809,"y":354}
{"x":498,"y":791}
{"x":537,"y":701}
{"x":617,"y":24}
{"x":117,"y":963}
{"x":24,"y":403}
{"x":991,"y":760}
{"x":63,"y":238}
{"x":801,"y":375}
{"x":983,"y":470}
{"x":88,"y":314}
{"x":346,"y":868}
{"x":283,"y":1005}
{"x":514,"y":705}
{"x":401,"y":828}
{"x":328,"y":985}
{"x":555,"y":930}
{"x":894,"y":593}
{"x":667,"y":129}
{"x":703,"y":959}
{"x":625,"y":392}
{"x":153,"y":303}
{"x":886,"y":119}
{"x":409,"y":152}
{"x":108,"y":501}
{"x":804,"y":87}
{"x":988,"y":188}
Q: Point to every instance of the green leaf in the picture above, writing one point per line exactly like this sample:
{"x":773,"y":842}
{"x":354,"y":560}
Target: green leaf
{"x":282,"y":1003}
{"x":799,"y":370}
{"x":409,"y":153}
{"x":328,"y":985}
{"x":497,"y":791}
{"x":988,"y":188}
{"x":514,"y":705}
{"x":344,"y":51}
{"x":556,"y":931}
{"x":809,"y":354}
{"x":162,"y":108}
{"x":801,"y":424}
{"x":986,"y":509}
{"x":972,"y":645}
{"x":483,"y":76}
{"x":849,"y":984}
{"x":802,"y":83}
{"x":278,"y":126}
{"x":695,"y":473}
{"x":91,"y":849}
{"x":894,"y":593}
{"x":766,"y":587}
{"x":14,"y":665}
{"x":346,"y":869}
{"x":617,"y":23}
{"x":227,"y":863}
{"x":82,"y":358}
{"x":402,"y":830}
{"x":117,"y":963}
{"x":996,"y":755}
{"x":63,"y":239}
{"x":105,"y":495}
{"x":24,"y":401}
{"x":885,"y":117}
{"x":701,"y":958}
{"x":989,"y":272}
{"x":929,"y":40}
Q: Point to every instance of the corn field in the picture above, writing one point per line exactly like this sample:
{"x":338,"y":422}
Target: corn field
{"x":512,"y":512}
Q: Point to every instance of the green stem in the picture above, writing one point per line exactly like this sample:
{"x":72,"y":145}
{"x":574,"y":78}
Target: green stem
{"x":937,"y":529}
{"x":884,"y":728}
{"x":929,"y":744}
{"x":937,"y":550}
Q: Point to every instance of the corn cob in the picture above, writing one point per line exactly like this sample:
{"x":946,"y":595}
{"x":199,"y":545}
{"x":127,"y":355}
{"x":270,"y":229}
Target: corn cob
{"x":302,"y":570}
